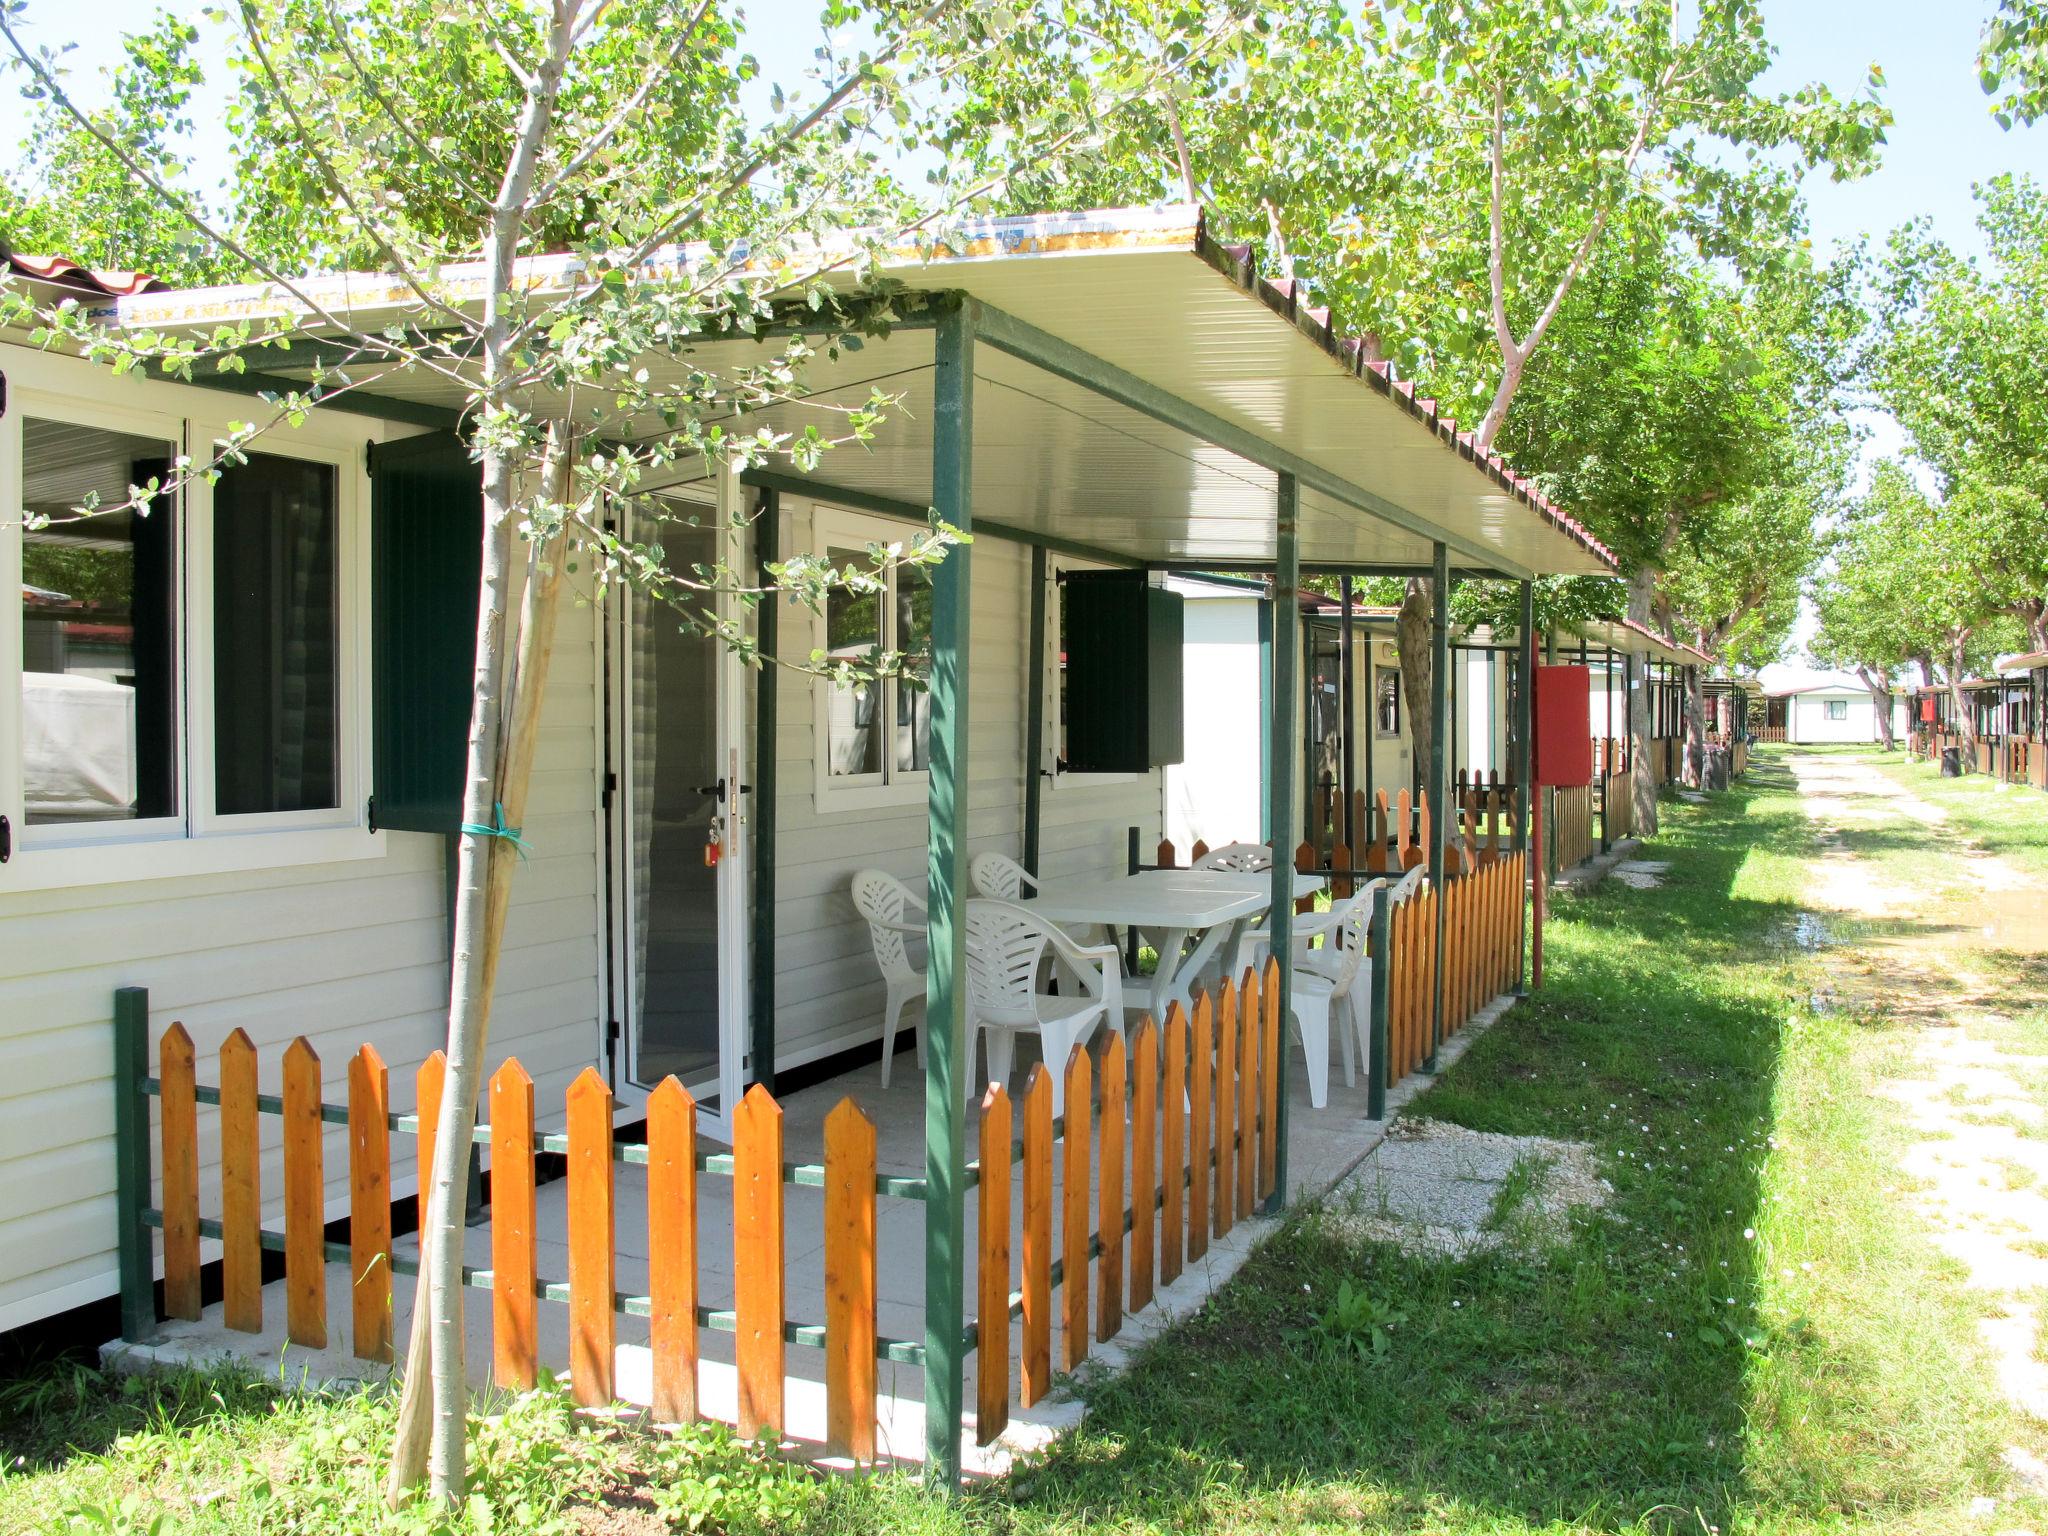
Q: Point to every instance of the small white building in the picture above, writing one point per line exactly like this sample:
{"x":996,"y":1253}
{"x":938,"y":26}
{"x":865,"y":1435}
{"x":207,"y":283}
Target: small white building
{"x":1830,"y":709}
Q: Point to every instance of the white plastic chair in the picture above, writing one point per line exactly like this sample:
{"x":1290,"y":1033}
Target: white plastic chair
{"x":1005,"y":945}
{"x":1240,"y":858}
{"x":998,"y":877}
{"x":888,"y":906}
{"x":1339,"y":971}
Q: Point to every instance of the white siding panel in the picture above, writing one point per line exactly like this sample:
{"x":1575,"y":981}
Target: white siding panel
{"x":343,"y":953}
{"x":828,"y":993}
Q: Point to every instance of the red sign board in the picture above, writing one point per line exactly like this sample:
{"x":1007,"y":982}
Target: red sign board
{"x":1927,"y":709}
{"x":1564,"y":726}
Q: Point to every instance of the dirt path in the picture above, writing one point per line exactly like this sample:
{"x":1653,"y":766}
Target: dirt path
{"x":1929,"y":932}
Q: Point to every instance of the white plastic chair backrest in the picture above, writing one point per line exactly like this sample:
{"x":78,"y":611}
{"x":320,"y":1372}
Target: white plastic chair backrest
{"x":1408,"y":884}
{"x":999,"y":877}
{"x":1004,"y":945}
{"x":1353,"y":920}
{"x":1243,"y":858}
{"x":882,"y":899}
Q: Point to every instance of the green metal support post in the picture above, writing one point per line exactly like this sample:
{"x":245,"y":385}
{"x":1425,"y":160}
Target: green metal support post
{"x":1034,"y":712}
{"x":1525,"y":765}
{"x":946,"y":1051}
{"x":131,"y":1163}
{"x":1382,"y":934}
{"x":1280,"y":795}
{"x":1266,"y":609}
{"x":761,"y":928}
{"x":1439,"y":788}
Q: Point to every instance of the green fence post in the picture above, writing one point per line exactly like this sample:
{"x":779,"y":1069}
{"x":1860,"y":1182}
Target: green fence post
{"x":131,"y":1163}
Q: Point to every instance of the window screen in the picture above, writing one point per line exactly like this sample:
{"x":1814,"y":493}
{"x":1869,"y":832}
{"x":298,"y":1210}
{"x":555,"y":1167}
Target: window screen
{"x":275,"y":637}
{"x":98,"y":627}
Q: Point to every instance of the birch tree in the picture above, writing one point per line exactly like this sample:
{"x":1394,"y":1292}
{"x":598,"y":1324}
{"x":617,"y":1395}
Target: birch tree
{"x":410,"y":134}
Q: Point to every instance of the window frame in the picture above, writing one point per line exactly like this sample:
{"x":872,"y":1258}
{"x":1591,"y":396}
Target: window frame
{"x":1379,"y":732}
{"x":352,"y":639}
{"x":196,"y":841}
{"x":78,"y":411}
{"x":1837,"y":709}
{"x":835,"y":527}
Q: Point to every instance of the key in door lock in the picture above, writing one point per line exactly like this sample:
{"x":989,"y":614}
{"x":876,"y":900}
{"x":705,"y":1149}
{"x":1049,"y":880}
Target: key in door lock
{"x":714,"y":845}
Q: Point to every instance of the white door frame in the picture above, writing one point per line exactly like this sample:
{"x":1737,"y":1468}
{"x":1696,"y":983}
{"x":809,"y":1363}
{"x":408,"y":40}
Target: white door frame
{"x":734,"y":885}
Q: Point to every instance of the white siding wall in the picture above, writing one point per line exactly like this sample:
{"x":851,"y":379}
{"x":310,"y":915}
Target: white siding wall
{"x":1810,"y":722}
{"x":342,"y":953}
{"x":828,"y":992}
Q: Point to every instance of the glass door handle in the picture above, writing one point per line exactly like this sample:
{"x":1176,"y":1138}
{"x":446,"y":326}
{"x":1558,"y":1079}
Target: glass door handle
{"x":717,"y":791}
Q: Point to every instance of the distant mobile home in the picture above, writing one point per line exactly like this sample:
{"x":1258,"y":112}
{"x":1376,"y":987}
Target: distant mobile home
{"x":1830,"y":710}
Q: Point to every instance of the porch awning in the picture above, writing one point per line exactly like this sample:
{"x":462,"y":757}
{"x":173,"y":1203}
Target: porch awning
{"x":1633,"y":639}
{"x":1163,"y":332}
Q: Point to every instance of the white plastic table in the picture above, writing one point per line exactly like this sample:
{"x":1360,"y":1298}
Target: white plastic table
{"x":1170,"y":906}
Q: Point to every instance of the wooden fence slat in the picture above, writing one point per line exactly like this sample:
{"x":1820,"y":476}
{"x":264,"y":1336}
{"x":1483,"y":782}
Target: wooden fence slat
{"x":992,"y":1269}
{"x":1305,"y":863}
{"x":1163,"y":857}
{"x":1109,"y":1215}
{"x":1035,"y":1365}
{"x":369,"y":1203}
{"x":850,"y":1285}
{"x":1173,"y":1148}
{"x":305,"y":1199}
{"x":428,"y":1083}
{"x":1269,"y":1079}
{"x":178,"y":1110}
{"x":1250,"y":1014}
{"x":515,"y":1261}
{"x":1074,"y":1218}
{"x":1223,"y":1206}
{"x":1144,"y":1158}
{"x":672,"y":1248}
{"x":241,"y":1187}
{"x":593,"y":1242}
{"x":757,"y":1259}
{"x":1200,"y":1146}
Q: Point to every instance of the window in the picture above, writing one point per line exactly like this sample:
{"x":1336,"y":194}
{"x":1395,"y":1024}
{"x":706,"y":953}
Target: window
{"x":875,"y":735}
{"x":188,"y":669}
{"x":1838,"y":709}
{"x":1386,"y":707}
{"x":276,"y":638}
{"x":99,"y":659}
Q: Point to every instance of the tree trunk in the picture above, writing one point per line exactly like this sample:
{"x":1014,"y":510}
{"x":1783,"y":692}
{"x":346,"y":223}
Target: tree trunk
{"x":1411,"y":631}
{"x":1695,"y":729}
{"x":1880,"y":689}
{"x":504,"y":731}
{"x":1641,"y":589}
{"x":1966,"y":723}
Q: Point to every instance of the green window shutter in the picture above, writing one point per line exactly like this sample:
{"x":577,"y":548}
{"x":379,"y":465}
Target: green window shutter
{"x":1124,"y":653}
{"x":426,"y":550}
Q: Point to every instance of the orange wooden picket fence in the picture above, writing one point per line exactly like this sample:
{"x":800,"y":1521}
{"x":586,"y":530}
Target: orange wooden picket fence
{"x":674,"y":1162}
{"x":1482,"y":952}
{"x":1172,"y":1148}
{"x":1570,"y":825}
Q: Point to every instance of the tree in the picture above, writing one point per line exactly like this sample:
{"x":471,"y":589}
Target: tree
{"x":1446,"y":175}
{"x":423,"y":131}
{"x":2012,"y":61}
{"x":1898,"y":588}
{"x":1960,"y":356}
{"x":74,"y":196}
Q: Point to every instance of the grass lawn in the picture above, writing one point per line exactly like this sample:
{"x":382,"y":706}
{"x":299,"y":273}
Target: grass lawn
{"x":1751,"y":1338}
